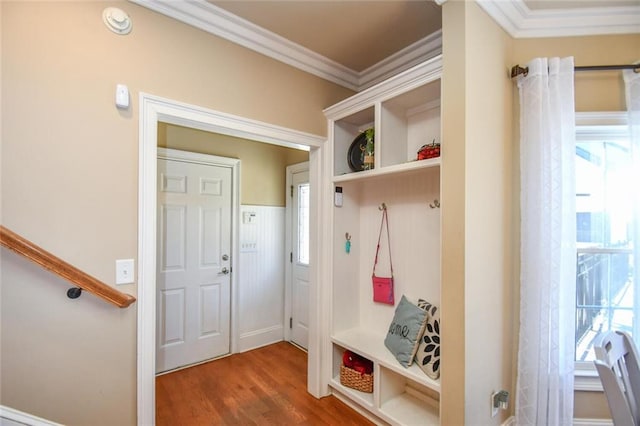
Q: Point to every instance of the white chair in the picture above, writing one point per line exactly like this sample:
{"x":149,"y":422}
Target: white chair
{"x":618,"y":368}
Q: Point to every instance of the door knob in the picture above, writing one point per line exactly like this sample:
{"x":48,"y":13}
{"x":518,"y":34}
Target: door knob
{"x":224,"y":271}
{"x":225,"y":257}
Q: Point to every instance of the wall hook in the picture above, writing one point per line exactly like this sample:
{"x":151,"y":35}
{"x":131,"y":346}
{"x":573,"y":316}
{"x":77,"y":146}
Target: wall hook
{"x":382,"y":207}
{"x":435,"y":205}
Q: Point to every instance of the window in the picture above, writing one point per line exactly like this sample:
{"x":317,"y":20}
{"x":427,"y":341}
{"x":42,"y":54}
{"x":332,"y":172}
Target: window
{"x":303,"y":224}
{"x":606,"y":282}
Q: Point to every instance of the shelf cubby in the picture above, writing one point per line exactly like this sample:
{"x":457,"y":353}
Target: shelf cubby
{"x":371,"y":346}
{"x":403,"y":401}
{"x":407,"y":122}
{"x":345,"y":131}
{"x":363,"y":398}
{"x":405,"y":113}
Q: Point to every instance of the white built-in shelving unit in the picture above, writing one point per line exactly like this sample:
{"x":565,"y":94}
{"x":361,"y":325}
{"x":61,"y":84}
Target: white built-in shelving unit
{"x":405,"y":113}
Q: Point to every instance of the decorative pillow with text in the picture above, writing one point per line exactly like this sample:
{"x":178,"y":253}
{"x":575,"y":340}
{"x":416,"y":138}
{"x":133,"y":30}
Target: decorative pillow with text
{"x":405,"y":330}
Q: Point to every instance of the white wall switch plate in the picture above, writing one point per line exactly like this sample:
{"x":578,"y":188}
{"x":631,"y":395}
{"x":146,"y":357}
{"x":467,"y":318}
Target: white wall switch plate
{"x":122,"y":96}
{"x":248,"y":217}
{"x":124,"y":271}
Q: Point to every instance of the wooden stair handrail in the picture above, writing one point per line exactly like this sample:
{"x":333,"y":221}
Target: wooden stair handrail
{"x":36,"y":254}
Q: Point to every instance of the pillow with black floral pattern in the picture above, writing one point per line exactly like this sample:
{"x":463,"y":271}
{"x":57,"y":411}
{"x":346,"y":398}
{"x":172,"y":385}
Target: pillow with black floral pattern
{"x":428,"y":354}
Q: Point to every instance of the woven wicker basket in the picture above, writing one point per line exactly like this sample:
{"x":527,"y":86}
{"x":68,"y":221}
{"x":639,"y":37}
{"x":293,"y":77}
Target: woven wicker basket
{"x":355,"y":380}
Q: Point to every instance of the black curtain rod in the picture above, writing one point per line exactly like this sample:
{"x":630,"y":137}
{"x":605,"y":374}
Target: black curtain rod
{"x":516,"y":70}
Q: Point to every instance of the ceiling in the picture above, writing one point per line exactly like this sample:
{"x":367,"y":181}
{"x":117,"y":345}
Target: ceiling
{"x":356,"y":34}
{"x":357,"y":43}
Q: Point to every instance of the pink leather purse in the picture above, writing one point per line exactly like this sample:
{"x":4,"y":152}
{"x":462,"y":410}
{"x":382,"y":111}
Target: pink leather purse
{"x":383,"y":286}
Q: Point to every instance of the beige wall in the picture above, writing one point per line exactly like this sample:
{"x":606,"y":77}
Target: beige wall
{"x":477,"y":282}
{"x":594,"y":91}
{"x":489,"y":202}
{"x":591,"y":405}
{"x":452,"y":201}
{"x":70,"y":181}
{"x":263,"y":166}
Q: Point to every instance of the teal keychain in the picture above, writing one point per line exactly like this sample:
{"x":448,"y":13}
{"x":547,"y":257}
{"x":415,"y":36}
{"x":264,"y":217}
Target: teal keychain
{"x":347,"y":244}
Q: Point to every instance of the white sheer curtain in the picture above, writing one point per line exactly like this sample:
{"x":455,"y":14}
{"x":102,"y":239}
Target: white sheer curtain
{"x":632,"y":86}
{"x":544,"y":394}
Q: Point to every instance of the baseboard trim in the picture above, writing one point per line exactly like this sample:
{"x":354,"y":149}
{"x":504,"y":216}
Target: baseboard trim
{"x":259,"y":338}
{"x":24,"y":418}
{"x":356,"y":407}
{"x":511,"y":421}
{"x":592,"y":422}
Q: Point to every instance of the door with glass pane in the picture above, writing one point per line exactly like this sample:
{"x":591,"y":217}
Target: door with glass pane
{"x":299,"y":321}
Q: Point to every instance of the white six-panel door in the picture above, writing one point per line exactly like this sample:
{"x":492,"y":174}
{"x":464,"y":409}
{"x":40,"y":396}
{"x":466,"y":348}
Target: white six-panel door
{"x":193,"y":263}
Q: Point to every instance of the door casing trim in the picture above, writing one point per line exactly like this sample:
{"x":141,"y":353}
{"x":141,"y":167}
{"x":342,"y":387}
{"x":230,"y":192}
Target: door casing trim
{"x":154,"y":109}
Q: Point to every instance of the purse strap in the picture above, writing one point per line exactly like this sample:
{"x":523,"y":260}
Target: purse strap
{"x":382,"y":223}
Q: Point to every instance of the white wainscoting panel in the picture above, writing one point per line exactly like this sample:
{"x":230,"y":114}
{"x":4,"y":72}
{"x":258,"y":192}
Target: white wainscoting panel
{"x":592,"y":422}
{"x":261,"y":276}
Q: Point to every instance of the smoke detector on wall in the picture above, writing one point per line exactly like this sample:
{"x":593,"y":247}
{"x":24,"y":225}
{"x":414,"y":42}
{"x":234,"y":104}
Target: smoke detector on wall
{"x":117,"y":20}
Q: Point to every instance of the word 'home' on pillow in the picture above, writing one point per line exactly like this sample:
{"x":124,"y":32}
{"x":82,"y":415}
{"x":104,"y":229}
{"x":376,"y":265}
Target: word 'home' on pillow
{"x":405,"y":330}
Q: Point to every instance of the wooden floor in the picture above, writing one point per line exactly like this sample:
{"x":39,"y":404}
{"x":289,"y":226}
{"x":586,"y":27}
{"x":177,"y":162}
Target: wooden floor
{"x":266,"y":386}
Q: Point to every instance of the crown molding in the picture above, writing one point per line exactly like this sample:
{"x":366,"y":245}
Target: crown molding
{"x":521,"y":22}
{"x":513,"y":16}
{"x":412,"y":55}
{"x":217,"y":21}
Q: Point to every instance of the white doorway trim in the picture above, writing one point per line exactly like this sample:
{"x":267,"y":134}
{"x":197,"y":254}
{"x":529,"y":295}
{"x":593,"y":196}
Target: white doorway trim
{"x":154,"y":109}
{"x":288,"y":247}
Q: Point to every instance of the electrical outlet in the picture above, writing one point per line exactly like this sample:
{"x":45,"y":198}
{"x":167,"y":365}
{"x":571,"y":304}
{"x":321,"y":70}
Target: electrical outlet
{"x":494,"y":404}
{"x":499,"y":400}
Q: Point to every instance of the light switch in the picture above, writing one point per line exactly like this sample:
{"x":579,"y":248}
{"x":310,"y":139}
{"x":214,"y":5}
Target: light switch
{"x":248,"y":217}
{"x":124,"y":271}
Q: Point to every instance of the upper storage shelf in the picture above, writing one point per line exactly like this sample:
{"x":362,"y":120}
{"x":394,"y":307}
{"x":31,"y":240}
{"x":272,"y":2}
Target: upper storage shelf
{"x":404,"y":111}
